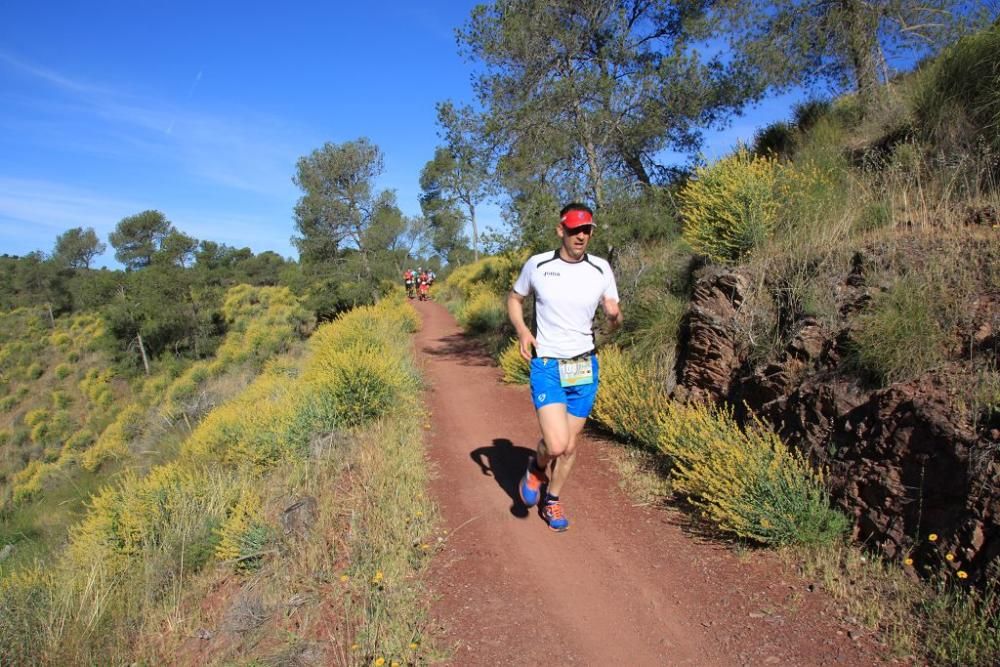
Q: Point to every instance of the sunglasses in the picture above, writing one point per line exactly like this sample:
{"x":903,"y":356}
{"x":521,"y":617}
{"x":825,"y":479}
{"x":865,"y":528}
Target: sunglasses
{"x":582,"y":229}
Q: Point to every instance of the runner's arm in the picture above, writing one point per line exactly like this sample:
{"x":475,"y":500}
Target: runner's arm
{"x":613,"y":311}
{"x":515,"y":311}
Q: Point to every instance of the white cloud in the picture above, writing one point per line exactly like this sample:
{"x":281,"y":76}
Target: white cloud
{"x":48,"y":207}
{"x":232,"y":148}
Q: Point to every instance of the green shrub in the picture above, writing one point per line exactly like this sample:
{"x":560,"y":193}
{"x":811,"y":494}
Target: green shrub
{"x":814,"y":192}
{"x":962,"y":86}
{"x":60,"y":399}
{"x":898,"y":337}
{"x":652,"y":330}
{"x":731,"y":207}
{"x":33,"y":371}
{"x":777,"y":139}
{"x":875,"y":215}
{"x":7,"y":403}
{"x":62,"y":371}
{"x":20,"y":436}
{"x":80,"y":440}
{"x":807,"y":114}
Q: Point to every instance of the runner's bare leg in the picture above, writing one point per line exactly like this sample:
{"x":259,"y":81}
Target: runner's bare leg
{"x":558,"y":447}
{"x":562,"y":465}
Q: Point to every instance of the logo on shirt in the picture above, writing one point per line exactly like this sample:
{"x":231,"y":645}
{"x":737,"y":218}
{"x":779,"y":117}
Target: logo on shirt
{"x":551,"y":273}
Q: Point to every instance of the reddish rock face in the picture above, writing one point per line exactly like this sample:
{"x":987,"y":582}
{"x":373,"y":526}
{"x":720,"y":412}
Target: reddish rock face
{"x":904,"y":461}
{"x":713,"y":353}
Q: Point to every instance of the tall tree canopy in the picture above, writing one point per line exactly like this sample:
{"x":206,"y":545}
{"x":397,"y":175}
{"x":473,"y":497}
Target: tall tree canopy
{"x":577,"y":92}
{"x":459,"y":172}
{"x":845,"y":43}
{"x":339,"y":203}
{"x":138,"y":237}
{"x":76,"y":248}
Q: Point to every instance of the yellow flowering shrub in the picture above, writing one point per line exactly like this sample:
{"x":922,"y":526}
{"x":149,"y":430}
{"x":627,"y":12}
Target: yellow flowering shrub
{"x":36,"y":417}
{"x":96,"y":385}
{"x":263,"y":321}
{"x":135,"y":513}
{"x":61,"y":339}
{"x":113,"y":443}
{"x":628,"y":400}
{"x":355,"y":371}
{"x":27,"y":482}
{"x":515,"y":367}
{"x":496,"y":274}
{"x":254,"y":429}
{"x":244,"y":532}
{"x":484,"y":310}
{"x":731,"y":206}
{"x":746,"y":481}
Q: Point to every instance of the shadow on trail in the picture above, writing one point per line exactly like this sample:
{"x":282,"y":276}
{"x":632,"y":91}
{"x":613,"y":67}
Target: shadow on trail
{"x":506,"y":464}
{"x":462,"y":348}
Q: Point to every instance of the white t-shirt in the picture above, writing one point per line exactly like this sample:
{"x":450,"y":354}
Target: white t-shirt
{"x":566,"y":297}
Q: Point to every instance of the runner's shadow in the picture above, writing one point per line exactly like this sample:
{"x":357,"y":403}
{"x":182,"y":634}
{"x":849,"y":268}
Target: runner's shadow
{"x":506,"y":463}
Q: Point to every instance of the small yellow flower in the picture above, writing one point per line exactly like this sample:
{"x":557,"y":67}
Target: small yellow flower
{"x":377,"y":578}
{"x":355,"y":647}
{"x":908,"y":561}
{"x":962,"y":574}
{"x":413,"y":645}
{"x":344,"y":577}
{"x":419,"y":513}
{"x":379,"y":662}
{"x":932,"y":537}
{"x":425,"y":547}
{"x":394,"y":663}
{"x":950,"y":557}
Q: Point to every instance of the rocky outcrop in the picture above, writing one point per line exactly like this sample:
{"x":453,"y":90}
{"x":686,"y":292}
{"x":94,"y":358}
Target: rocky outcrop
{"x":713,"y":351}
{"x":905,"y":461}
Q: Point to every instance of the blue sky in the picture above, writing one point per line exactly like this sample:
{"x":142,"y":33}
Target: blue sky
{"x":201,"y":110}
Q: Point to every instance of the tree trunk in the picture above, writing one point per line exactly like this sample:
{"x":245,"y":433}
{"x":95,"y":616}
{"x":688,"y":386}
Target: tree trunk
{"x":52,"y":319}
{"x":475,"y":233}
{"x":142,"y":350}
{"x":634,"y":163}
{"x":863,"y":52}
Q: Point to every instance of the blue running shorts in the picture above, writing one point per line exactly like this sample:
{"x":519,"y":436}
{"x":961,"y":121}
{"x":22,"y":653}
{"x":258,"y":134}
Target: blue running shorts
{"x":545,"y":387}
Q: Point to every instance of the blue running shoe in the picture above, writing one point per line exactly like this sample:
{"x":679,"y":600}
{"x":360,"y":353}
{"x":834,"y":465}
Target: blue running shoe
{"x":553,"y":514}
{"x":530,"y":487}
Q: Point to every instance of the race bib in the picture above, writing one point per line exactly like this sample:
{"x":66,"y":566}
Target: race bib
{"x":574,"y":372}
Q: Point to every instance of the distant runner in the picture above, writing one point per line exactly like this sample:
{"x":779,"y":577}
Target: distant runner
{"x":568,"y":285}
{"x":409,"y":280}
{"x":424,"y":286}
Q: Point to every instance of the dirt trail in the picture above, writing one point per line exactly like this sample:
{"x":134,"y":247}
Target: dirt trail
{"x":625,"y":585}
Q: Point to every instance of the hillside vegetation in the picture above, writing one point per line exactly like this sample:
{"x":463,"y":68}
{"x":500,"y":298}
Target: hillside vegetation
{"x":156,"y":545}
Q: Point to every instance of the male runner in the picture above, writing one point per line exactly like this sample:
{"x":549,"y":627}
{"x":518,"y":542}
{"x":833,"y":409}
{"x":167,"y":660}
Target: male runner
{"x":568,"y":285}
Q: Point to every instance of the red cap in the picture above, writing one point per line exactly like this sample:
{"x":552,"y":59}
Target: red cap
{"x":576,"y":218}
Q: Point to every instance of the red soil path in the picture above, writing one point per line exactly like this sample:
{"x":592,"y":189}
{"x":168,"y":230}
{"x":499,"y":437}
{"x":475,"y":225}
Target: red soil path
{"x":625,"y":585}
